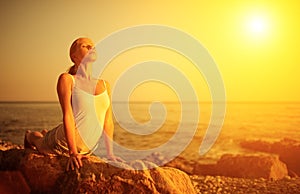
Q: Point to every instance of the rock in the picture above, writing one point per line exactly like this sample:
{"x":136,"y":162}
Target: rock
{"x":178,"y":162}
{"x":5,"y":145}
{"x":244,"y":166}
{"x":205,"y":169}
{"x":287,"y":149}
{"x":13,"y":182}
{"x":46,"y":174}
{"x":268,"y":167}
{"x":181,"y":164}
{"x":10,"y":159}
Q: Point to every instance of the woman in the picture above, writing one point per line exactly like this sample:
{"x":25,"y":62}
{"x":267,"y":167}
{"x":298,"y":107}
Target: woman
{"x":86,"y":108}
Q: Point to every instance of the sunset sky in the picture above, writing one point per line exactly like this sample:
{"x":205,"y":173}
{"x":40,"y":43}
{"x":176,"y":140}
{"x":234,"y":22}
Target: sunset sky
{"x":256,"y":44}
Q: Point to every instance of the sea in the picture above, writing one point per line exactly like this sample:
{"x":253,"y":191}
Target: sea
{"x":144,"y":127}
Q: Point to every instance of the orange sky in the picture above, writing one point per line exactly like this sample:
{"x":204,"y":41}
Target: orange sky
{"x":255,"y":44}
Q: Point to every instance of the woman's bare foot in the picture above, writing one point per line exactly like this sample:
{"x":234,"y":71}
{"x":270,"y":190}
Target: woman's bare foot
{"x":44,"y":131}
{"x":27,"y":144}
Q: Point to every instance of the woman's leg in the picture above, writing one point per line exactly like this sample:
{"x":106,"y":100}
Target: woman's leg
{"x":35,"y":139}
{"x":44,"y":131}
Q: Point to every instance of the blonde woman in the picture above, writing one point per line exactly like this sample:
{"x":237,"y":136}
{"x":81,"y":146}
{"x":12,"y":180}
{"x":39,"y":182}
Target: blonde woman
{"x":87,"y":113}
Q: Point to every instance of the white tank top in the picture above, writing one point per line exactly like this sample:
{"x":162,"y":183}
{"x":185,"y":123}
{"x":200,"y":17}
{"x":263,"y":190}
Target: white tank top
{"x":89,"y":113}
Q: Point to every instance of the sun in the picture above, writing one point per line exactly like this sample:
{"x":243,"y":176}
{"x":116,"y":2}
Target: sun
{"x":257,"y":26}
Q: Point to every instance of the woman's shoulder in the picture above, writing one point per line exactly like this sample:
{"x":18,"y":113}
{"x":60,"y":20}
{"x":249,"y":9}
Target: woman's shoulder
{"x":104,"y":82}
{"x":65,"y":78}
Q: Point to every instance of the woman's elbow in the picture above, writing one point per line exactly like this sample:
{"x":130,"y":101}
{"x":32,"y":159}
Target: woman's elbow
{"x":109,"y":126}
{"x":67,"y":119}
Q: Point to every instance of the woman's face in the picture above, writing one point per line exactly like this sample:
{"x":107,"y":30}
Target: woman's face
{"x":85,"y":51}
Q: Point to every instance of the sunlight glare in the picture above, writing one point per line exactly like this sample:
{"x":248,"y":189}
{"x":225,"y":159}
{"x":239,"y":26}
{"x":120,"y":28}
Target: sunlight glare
{"x":257,"y":26}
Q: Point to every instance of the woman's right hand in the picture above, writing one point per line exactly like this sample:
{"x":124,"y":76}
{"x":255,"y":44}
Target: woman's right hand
{"x":74,"y":161}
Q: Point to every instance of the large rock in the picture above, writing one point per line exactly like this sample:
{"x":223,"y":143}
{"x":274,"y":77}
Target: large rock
{"x":287,"y":149}
{"x":13,"y":182}
{"x":206,"y":169}
{"x":243,"y":166}
{"x":269,"y":167}
{"x":46,"y":174}
{"x":10,"y":159}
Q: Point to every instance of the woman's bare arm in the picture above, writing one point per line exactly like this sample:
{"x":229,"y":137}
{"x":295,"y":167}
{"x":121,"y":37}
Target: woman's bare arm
{"x":64,"y":91}
{"x":109,"y":130}
{"x":108,"y":126}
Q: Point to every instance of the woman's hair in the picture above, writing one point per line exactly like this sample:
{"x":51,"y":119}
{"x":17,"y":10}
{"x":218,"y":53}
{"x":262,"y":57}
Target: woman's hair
{"x":73,"y":49}
{"x":73,"y":69}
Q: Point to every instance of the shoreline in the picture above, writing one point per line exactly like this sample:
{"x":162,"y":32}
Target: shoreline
{"x":216,"y":183}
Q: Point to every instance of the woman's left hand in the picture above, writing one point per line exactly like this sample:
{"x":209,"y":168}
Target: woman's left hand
{"x":74,"y":161}
{"x":114,"y":158}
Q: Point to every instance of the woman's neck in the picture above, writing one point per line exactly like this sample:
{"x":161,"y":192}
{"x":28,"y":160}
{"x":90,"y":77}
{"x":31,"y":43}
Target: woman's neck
{"x":85,"y":71}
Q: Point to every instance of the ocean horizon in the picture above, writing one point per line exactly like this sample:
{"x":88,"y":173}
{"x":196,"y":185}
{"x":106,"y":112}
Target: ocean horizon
{"x":269,"y":121}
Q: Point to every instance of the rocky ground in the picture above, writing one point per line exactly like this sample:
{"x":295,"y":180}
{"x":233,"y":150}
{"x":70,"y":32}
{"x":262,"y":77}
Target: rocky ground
{"x":223,"y":184}
{"x":4,"y":145}
{"x":219,"y":184}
